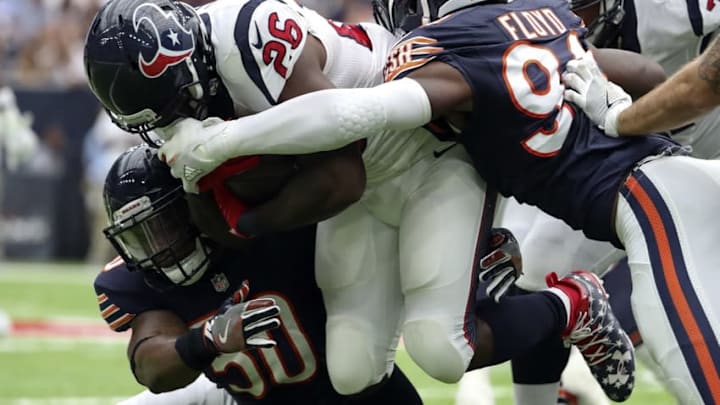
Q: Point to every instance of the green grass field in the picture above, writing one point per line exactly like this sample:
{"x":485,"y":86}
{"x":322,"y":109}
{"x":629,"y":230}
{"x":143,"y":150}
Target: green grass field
{"x":84,"y":371}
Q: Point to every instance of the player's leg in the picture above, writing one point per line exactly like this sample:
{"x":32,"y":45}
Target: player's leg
{"x":201,"y":392}
{"x":396,"y":389}
{"x":439,"y":233}
{"x":356,"y":269}
{"x":548,"y":245}
{"x":578,"y":384}
{"x":438,"y":248}
{"x":475,"y":388}
{"x":666,"y":220}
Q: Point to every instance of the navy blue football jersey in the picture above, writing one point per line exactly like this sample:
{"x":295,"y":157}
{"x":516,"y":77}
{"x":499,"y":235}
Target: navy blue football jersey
{"x":523,"y":137}
{"x":279,"y":266}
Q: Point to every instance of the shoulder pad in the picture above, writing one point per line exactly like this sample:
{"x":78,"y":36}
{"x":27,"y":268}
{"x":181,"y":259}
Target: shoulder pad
{"x":121,"y":295}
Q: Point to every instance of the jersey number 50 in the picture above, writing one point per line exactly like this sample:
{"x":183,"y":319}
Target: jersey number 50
{"x":271,"y":366}
{"x":543,"y":102}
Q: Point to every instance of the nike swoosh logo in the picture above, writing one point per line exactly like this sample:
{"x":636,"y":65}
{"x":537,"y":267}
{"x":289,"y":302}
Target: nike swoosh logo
{"x":223,"y":336}
{"x":438,"y":153}
{"x":259,"y":43}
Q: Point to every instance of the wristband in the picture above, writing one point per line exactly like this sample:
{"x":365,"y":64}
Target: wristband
{"x":195,"y":350}
{"x":611,"y":121}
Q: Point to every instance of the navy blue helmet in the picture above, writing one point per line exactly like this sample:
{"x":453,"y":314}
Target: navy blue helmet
{"x":150,"y":223}
{"x":150,"y":62}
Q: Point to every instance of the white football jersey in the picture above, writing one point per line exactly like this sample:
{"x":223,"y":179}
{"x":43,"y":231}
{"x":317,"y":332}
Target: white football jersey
{"x":258,"y":42}
{"x":672,"y":33}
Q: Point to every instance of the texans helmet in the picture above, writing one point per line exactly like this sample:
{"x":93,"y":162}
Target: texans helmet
{"x":402,"y":16}
{"x":604,"y":29}
{"x":150,"y":62}
{"x":150,"y":221}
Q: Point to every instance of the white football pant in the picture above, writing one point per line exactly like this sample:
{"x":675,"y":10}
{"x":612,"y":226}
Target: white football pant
{"x":665,"y":220}
{"x":201,"y":392}
{"x":401,"y":261}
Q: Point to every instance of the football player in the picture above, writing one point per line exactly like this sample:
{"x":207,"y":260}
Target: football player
{"x":635,"y":192}
{"x":373,"y":279}
{"x":666,"y":35}
{"x":421,"y":212}
{"x":189,"y":307}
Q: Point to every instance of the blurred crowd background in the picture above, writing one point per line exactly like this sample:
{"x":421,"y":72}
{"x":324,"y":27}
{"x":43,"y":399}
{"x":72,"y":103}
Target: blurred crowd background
{"x":51,"y":206}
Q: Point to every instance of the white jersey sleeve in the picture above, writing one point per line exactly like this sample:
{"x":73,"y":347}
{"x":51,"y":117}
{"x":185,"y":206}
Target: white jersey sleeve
{"x":673,"y":32}
{"x":257,"y":44}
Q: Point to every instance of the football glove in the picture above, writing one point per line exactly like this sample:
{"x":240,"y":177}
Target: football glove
{"x":185,"y":149}
{"x":589,"y":89}
{"x":500,"y":269}
{"x":241,"y":325}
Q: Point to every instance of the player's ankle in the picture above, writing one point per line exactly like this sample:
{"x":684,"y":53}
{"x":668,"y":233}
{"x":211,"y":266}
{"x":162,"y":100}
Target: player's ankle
{"x":571,"y":295}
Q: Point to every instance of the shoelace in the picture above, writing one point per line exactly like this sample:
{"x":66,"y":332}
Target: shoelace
{"x":583,"y":330}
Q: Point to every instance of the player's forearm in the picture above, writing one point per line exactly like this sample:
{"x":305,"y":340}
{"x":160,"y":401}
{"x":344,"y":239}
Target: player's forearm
{"x":159,"y":367}
{"x":677,"y":101}
{"x":325,"y":120}
{"x":326,"y":184}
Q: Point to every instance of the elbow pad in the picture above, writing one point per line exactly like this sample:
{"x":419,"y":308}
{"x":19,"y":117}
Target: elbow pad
{"x":399,"y":105}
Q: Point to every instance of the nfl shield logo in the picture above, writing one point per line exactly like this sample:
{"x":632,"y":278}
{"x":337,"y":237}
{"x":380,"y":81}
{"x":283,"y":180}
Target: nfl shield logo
{"x":220,"y":282}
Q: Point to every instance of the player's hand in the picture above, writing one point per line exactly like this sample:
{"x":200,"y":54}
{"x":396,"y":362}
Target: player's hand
{"x":185,"y":149}
{"x":500,"y":269}
{"x":589,"y":89}
{"x":241,"y":324}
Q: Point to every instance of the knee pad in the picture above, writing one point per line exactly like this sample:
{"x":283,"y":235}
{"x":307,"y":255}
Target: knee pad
{"x":352,"y":362}
{"x":430,"y":346}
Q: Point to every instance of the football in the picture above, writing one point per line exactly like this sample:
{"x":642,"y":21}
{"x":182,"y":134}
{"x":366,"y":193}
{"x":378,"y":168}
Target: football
{"x":251,"y":180}
{"x":263,"y":178}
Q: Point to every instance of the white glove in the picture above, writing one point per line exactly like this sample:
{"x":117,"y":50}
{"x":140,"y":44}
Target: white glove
{"x":589,"y":89}
{"x":185,"y":149}
{"x":16,"y":134}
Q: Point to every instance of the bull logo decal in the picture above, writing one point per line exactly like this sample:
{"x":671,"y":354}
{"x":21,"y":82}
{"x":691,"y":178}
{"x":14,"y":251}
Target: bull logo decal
{"x":174,"y":42}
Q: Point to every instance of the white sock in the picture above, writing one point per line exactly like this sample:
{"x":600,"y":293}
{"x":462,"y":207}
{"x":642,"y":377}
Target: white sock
{"x":536,"y":394}
{"x":565,"y":300}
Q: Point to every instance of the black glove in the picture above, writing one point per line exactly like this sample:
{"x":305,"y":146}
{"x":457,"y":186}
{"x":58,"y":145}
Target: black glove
{"x":501,"y":268}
